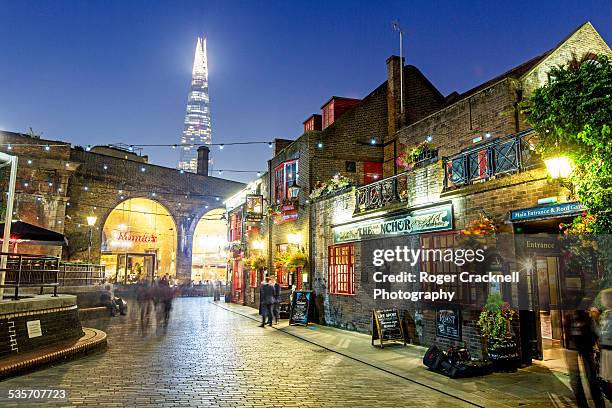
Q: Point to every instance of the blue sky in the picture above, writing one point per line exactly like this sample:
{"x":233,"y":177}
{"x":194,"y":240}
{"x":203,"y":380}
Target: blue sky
{"x":99,"y":72}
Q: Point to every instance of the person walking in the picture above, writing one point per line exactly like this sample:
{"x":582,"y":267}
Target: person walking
{"x":277,"y":300}
{"x":582,"y":336}
{"x":605,"y":343}
{"x":266,"y":300}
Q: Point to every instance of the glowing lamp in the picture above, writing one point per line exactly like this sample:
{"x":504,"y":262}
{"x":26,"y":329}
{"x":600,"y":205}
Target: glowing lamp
{"x":294,"y":190}
{"x":91,"y":221}
{"x":559,"y":167}
{"x":295,"y":239}
{"x":258,"y":244}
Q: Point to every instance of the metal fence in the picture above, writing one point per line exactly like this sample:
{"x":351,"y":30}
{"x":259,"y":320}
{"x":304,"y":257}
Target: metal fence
{"x":27,"y":270}
{"x":80,"y":274}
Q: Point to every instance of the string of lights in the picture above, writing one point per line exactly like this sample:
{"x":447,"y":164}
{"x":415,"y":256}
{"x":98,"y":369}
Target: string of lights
{"x":132,"y":146}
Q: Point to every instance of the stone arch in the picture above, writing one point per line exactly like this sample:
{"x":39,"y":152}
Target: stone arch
{"x":139,"y":240}
{"x":209,"y":241}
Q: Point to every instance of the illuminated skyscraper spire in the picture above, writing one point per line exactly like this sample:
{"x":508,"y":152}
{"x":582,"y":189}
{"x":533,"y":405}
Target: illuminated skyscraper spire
{"x":197,"y":129}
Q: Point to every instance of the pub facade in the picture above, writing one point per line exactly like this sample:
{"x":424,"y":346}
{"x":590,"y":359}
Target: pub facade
{"x":473,"y":167}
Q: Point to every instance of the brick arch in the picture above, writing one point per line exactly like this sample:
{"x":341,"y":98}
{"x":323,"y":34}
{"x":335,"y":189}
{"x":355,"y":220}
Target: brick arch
{"x":160,"y":208}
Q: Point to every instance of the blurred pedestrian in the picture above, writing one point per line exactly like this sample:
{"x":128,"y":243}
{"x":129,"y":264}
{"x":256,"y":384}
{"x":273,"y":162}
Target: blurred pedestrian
{"x":605,"y":343}
{"x":266,"y":300}
{"x":277,"y":301}
{"x":581,"y":334}
{"x":144,"y":297}
{"x":107,"y":298}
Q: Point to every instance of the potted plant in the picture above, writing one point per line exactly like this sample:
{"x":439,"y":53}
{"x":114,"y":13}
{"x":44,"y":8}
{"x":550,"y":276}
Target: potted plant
{"x":414,"y":155}
{"x":494,"y":324}
{"x":336,"y":183}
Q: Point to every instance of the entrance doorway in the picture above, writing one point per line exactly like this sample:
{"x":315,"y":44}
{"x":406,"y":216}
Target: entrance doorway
{"x":132,"y":267}
{"x":541,"y":316}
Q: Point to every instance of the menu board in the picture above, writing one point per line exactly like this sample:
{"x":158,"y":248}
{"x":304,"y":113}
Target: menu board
{"x":387,"y":327}
{"x":300,"y":306}
{"x":448,"y":322}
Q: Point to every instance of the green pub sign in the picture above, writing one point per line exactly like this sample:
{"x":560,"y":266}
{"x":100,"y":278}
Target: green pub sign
{"x":438,"y":218}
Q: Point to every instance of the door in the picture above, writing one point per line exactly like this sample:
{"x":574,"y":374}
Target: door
{"x":548,"y":312}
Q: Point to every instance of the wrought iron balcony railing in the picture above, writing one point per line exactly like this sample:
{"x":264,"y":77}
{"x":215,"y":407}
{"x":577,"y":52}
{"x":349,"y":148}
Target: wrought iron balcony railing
{"x":381,"y":193}
{"x":506,"y":155}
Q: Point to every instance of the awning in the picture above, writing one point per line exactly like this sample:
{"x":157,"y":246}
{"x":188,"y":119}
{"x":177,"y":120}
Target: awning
{"x":34,"y":235}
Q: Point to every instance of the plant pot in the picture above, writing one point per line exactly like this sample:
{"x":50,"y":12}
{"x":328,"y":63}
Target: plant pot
{"x":504,"y":354}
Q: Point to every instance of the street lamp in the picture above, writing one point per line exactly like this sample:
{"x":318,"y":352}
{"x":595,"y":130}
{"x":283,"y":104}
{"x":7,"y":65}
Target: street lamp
{"x":91,"y":221}
{"x":294,"y":190}
{"x":559,"y":167}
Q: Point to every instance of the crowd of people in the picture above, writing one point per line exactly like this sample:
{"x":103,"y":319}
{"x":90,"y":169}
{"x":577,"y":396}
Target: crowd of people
{"x":155,"y":298}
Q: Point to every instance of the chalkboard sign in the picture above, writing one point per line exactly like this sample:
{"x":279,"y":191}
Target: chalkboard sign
{"x":386,"y":326}
{"x":448,"y":322}
{"x":300,"y":306}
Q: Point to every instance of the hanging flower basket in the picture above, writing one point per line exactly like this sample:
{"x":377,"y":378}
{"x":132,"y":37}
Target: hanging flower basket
{"x":414,"y":155}
{"x":481,"y":226}
{"x":257,"y":263}
{"x":297,"y":260}
{"x":337,"y":183}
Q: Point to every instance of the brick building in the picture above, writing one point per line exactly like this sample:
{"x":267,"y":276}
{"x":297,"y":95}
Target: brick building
{"x":347,"y":139}
{"x":479,"y":160}
{"x":59,"y":187}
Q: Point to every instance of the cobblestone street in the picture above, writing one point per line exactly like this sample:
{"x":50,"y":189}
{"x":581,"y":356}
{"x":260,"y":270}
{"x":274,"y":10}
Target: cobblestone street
{"x":213,"y":357}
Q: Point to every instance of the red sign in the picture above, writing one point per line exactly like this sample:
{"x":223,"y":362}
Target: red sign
{"x":147,"y":238}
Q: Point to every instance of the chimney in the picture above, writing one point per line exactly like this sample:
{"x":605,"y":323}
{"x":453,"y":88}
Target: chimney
{"x":203,"y":153}
{"x":394,"y":120}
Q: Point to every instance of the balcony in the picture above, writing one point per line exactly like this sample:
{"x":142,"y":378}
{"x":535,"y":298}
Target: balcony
{"x":382,"y":193}
{"x":507,"y":155}
{"x":391,"y":190}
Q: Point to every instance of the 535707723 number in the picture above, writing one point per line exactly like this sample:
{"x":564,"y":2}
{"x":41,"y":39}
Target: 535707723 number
{"x":36,"y":394}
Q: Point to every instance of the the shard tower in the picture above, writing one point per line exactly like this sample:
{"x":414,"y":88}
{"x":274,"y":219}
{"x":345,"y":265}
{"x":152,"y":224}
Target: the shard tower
{"x":197,"y":129}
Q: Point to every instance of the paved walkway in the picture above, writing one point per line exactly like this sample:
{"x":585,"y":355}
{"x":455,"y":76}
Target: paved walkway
{"x":535,"y":386}
{"x":211,"y":357}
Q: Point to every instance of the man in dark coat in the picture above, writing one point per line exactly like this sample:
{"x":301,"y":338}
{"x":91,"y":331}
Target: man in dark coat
{"x":266,"y":300}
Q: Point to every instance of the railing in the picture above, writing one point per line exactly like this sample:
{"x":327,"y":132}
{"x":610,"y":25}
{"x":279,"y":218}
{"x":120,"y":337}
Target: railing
{"x":392,"y":189}
{"x":26,"y":270}
{"x":80,"y":274}
{"x":381,"y":193}
{"x":507,"y":155}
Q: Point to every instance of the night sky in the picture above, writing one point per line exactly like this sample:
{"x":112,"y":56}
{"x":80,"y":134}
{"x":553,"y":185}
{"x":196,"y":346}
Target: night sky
{"x":99,"y":72}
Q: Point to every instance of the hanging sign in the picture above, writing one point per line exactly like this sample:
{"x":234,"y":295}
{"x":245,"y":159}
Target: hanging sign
{"x":254,"y":207}
{"x":437,"y":218}
{"x":387,"y":327}
{"x":300,"y":307}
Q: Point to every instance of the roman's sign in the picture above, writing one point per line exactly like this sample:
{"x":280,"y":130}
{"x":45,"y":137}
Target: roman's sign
{"x":546,"y":211}
{"x":127,"y":236}
{"x":438,"y":218}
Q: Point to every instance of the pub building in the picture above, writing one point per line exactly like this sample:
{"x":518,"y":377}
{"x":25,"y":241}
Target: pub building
{"x":476,"y":168}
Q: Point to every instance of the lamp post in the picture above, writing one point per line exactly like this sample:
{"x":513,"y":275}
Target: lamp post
{"x":7,"y":160}
{"x":91,"y":221}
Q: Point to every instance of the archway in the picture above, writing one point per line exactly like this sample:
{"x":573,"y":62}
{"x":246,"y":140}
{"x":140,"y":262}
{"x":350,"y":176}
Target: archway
{"x":209,"y":255}
{"x":139,"y":241}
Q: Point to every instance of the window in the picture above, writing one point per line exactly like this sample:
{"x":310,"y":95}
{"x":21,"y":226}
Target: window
{"x":284,"y":175}
{"x":372,"y":172}
{"x":235,"y":227}
{"x":466,"y":293}
{"x":341,"y":269}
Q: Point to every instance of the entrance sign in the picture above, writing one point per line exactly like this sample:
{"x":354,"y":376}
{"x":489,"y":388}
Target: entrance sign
{"x":300,"y":307}
{"x":448,"y":322}
{"x":547,"y":211}
{"x":254,"y":208}
{"x":387,"y":327}
{"x":439,"y":218}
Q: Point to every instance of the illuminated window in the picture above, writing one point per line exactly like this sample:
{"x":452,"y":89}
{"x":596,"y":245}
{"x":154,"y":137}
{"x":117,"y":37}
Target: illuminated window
{"x":284,"y":174}
{"x":341,"y":269}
